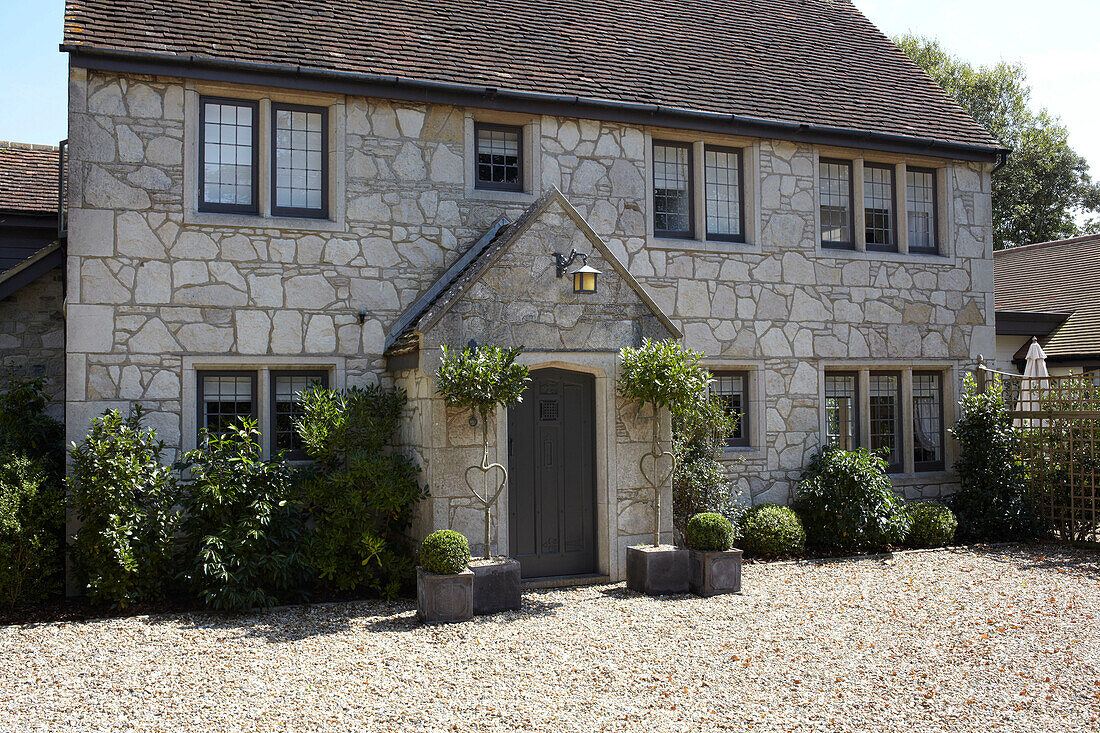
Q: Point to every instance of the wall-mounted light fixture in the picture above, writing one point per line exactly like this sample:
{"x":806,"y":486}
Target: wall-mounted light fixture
{"x":584,"y":277}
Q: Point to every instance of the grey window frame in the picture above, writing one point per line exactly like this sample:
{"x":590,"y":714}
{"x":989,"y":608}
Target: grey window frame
{"x":201,"y":374}
{"x":740,"y":236}
{"x":745,"y":439}
{"x":293,"y":211}
{"x":935,"y":248}
{"x":899,"y":421}
{"x":937,"y":465}
{"x":689,"y":233}
{"x":214,"y":207}
{"x":851,"y":243}
{"x":893,"y":246}
{"x":520,"y":163}
{"x":273,"y":449}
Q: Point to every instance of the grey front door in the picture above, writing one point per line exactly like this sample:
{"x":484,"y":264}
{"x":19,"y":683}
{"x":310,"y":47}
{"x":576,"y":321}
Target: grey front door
{"x":552,"y":475}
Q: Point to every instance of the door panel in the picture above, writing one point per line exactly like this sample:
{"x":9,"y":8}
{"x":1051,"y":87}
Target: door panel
{"x":552,"y":476}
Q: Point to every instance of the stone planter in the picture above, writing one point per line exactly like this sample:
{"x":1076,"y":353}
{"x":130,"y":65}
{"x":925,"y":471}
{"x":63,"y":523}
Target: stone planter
{"x":714,"y":573}
{"x":657,"y":570}
{"x":496,"y":585}
{"x":444,"y":599}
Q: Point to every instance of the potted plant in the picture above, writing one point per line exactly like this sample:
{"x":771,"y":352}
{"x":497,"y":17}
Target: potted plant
{"x":661,"y":374}
{"x":482,"y":379}
{"x":715,"y":565}
{"x":444,"y":582}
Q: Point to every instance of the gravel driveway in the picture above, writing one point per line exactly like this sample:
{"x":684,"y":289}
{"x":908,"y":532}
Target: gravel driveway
{"x":950,"y":640}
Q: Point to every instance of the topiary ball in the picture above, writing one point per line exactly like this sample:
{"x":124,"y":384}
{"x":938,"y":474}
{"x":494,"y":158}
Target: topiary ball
{"x":771,"y":530}
{"x":709,"y":532}
{"x":445,"y":552}
{"x":931,"y":524}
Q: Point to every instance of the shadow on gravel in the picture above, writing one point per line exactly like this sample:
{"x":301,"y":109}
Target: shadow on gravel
{"x":623,"y":593}
{"x":1056,"y":558}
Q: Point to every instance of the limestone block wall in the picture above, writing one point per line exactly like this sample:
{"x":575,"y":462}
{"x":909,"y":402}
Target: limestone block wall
{"x":32,"y":335}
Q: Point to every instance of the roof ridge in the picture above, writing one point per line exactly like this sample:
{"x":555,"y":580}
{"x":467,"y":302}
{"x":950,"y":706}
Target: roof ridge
{"x":27,"y":146}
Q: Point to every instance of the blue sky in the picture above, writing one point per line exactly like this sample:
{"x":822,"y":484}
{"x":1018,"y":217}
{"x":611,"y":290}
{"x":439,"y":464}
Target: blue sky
{"x":1057,"y":40}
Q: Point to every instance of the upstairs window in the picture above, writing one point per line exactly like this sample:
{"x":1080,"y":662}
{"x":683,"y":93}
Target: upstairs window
{"x":227,"y":155}
{"x":884,"y":403}
{"x":841,"y":416}
{"x":928,"y":421}
{"x":498,"y":151}
{"x":672,"y":190}
{"x":724,"y":182}
{"x":299,"y":154}
{"x":836,"y":204}
{"x":731,"y":388}
{"x":225,"y":398}
{"x":920,"y":205}
{"x":878,"y":207}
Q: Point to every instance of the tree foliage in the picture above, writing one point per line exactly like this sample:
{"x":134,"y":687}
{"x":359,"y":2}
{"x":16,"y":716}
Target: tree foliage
{"x":662,"y":374}
{"x":482,"y":378}
{"x":1045,"y":183}
{"x":701,"y":481}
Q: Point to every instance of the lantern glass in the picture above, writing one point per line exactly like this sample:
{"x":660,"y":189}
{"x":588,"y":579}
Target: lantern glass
{"x":584,"y":282}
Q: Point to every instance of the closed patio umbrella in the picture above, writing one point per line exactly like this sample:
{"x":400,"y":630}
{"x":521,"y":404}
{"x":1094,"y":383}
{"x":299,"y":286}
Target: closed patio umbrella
{"x":1031,"y":386}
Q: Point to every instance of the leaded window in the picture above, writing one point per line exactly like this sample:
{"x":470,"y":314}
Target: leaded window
{"x":225,"y":399}
{"x":841,"y":410}
{"x":836,"y":204}
{"x":725,"y":206}
{"x":499,"y":154}
{"x":920,"y":204}
{"x":878,"y":206}
{"x":884,"y":413}
{"x":672,"y":205}
{"x":299,"y":151}
{"x":732,"y":389}
{"x":928,"y":421}
{"x":227,"y":151}
{"x":286,"y":388}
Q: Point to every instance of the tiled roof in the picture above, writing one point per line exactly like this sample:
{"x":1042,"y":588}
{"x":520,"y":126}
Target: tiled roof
{"x":28,"y":178}
{"x":812,"y":62}
{"x":1054,"y":277}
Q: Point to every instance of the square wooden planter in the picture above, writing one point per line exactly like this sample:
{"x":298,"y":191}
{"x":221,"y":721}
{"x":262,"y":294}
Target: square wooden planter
{"x":444,"y":599}
{"x":497,"y":585}
{"x":657,"y":570}
{"x":714,"y":573}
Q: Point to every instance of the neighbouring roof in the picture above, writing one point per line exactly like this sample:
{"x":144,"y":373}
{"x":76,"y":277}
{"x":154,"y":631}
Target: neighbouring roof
{"x":816,"y":63}
{"x":1054,"y":278}
{"x":28,"y":178}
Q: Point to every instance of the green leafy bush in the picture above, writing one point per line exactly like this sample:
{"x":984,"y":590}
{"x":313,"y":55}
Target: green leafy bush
{"x":482,"y":378}
{"x":709,"y":532}
{"x":359,"y":493}
{"x":31,"y":518}
{"x":244,"y":528}
{"x":701,"y":481}
{"x":125,"y":500}
{"x":931,"y":524}
{"x":25,"y":428}
{"x":445,"y":552}
{"x":992,"y":503}
{"x":846,"y":501}
{"x":662,"y":374}
{"x":770,"y":530}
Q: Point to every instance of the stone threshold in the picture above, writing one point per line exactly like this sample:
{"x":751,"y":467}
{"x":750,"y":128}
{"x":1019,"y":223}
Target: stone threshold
{"x":567,"y":581}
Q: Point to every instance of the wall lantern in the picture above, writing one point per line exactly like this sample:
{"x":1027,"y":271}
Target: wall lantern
{"x":584,"y":277}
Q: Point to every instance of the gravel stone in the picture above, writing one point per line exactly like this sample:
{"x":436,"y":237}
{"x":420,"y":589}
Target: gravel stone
{"x":951,"y":640}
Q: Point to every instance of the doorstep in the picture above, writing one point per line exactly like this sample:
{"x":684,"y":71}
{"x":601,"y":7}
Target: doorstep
{"x":565,"y":581}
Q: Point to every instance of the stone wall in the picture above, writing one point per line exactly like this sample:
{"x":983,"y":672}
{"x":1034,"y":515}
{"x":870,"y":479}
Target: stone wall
{"x":32,"y":335}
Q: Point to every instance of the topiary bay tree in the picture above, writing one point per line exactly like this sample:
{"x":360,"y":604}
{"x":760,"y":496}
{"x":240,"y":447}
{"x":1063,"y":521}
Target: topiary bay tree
{"x":482,"y":379}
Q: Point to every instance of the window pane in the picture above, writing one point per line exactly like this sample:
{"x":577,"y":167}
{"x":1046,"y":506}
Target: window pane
{"x":723,"y":178}
{"x":226,"y":399}
{"x":841,"y":425}
{"x":227,"y":154}
{"x":672,"y":189}
{"x":299,"y":165}
{"x":927,"y":419}
{"x":836,"y":203}
{"x":731,"y":388}
{"x":286,"y":388}
{"x":883,"y":402}
{"x":920,"y":197}
{"x":878,"y":205}
{"x":498,"y":156}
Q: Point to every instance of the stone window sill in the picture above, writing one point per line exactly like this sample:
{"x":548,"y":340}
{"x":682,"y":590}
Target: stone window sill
{"x":732,"y":453}
{"x":507,"y":197}
{"x":257,"y":221}
{"x":701,"y":245}
{"x":851,"y":254}
{"x":928,"y":477}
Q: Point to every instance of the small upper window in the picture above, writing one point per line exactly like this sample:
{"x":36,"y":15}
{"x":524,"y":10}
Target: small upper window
{"x":920,"y":204}
{"x":878,"y":206}
{"x":928,"y":421}
{"x":841,"y":405}
{"x":299,"y":186}
{"x":227,"y":155}
{"x":731,"y":388}
{"x":725,"y":206}
{"x":672,"y":200}
{"x":836,"y":204}
{"x":499,"y":153}
{"x":286,"y":388}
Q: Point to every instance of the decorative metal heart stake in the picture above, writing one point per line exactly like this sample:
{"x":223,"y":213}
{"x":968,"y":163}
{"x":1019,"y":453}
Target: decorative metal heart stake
{"x":486,"y":498}
{"x":651,"y":474}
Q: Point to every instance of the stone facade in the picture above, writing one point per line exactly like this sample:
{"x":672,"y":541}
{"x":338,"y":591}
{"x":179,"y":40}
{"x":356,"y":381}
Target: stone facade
{"x":32,"y":335}
{"x":158,"y":289}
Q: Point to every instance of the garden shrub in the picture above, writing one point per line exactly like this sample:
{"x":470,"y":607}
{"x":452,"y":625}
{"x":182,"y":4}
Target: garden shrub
{"x":992,"y":503}
{"x":445,"y":552}
{"x":701,"y":482}
{"x":931,"y":524}
{"x":244,"y":528}
{"x":359,"y":493}
{"x":846,"y":501}
{"x":25,"y":428}
{"x":125,"y":500}
{"x":709,"y":532}
{"x":770,"y":530}
{"x":32,"y":514}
